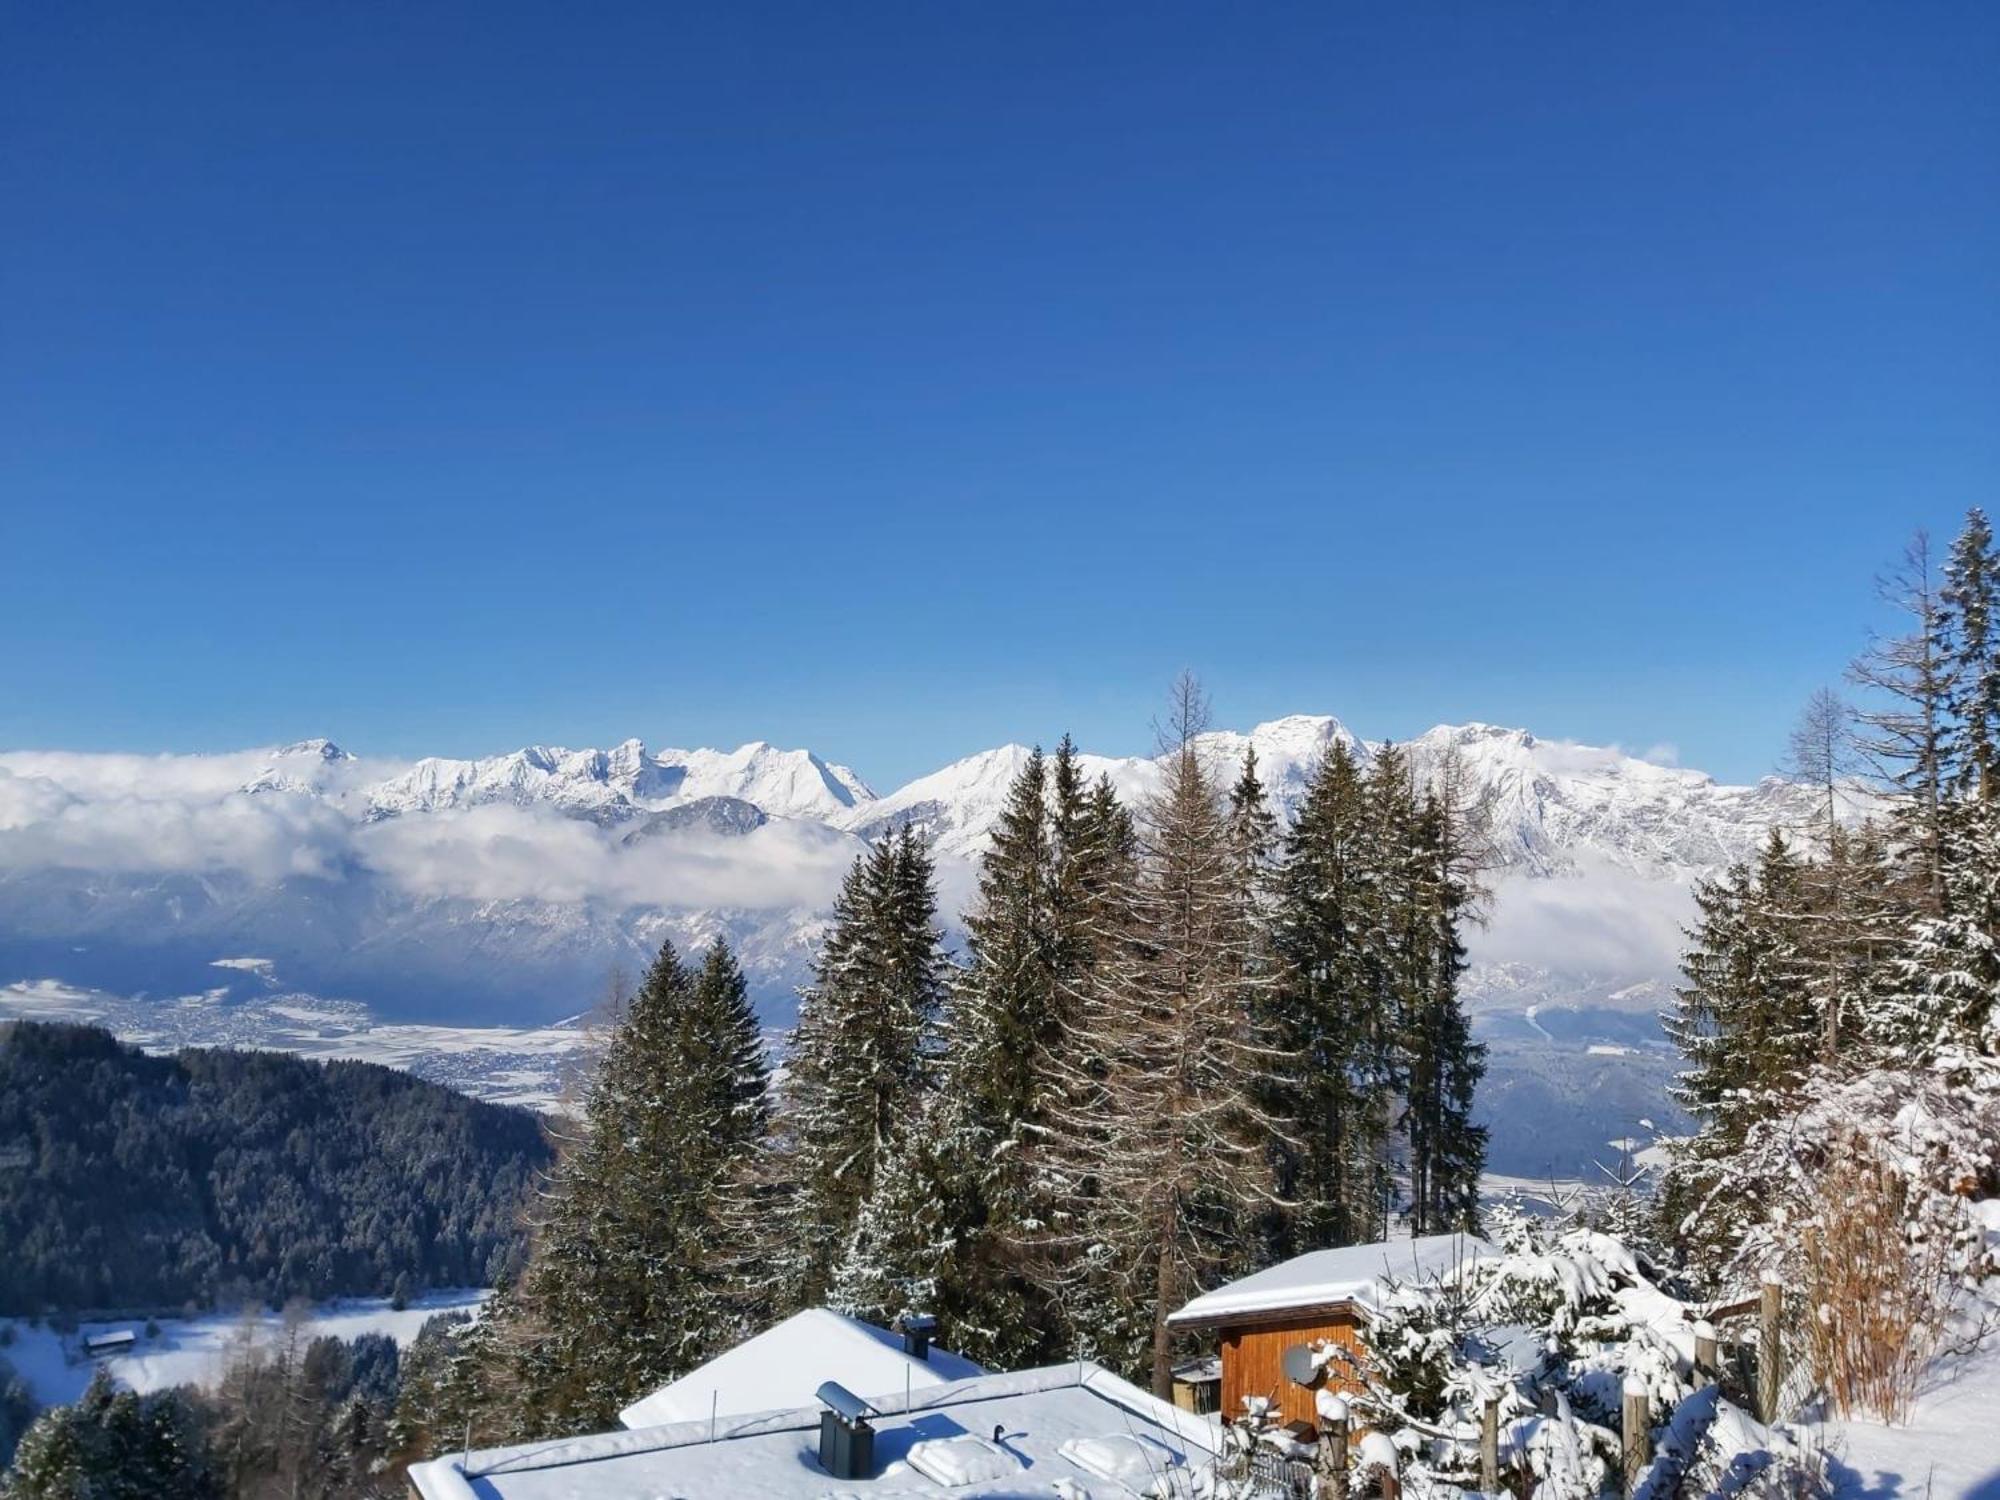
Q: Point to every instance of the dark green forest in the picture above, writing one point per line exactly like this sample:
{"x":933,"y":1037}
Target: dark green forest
{"x":130,"y":1181}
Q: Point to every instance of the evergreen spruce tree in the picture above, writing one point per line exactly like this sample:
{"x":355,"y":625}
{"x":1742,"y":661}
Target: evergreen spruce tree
{"x":1326,"y":1023}
{"x":861,"y":1059}
{"x":115,"y":1445}
{"x":1744,"y":1021}
{"x":1004,"y":1005}
{"x":1441,"y":1063}
{"x":1746,"y":1026}
{"x":1253,"y":839}
{"x":1945,"y":994}
{"x":908,"y":1251}
{"x":1099,"y":1312}
{"x":1970,"y":607}
{"x":633,"y":1276}
{"x":942,"y":1223}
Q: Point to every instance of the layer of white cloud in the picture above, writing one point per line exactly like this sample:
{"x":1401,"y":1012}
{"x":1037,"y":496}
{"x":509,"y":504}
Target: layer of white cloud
{"x":1598,"y":919}
{"x":135,"y":815}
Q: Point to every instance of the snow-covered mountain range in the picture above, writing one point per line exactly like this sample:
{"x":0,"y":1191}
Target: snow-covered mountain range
{"x":504,"y":890}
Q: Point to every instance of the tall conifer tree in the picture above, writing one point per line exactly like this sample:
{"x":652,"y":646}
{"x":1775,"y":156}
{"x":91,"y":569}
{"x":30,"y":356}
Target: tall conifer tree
{"x":1160,"y":1125}
{"x":861,"y":1059}
{"x":1970,"y":600}
{"x":631,"y":1279}
{"x":1441,"y":1063}
{"x":1332,"y":1084}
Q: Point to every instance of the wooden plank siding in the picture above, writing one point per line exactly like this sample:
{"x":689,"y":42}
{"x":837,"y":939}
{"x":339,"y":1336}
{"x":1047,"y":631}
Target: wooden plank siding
{"x":1253,"y":1361}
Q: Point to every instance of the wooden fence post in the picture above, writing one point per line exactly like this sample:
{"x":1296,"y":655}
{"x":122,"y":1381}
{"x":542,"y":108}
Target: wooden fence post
{"x":1770,"y":1354}
{"x":1637,"y":1439}
{"x":1489,"y":1447}
{"x":1707,"y":1355}
{"x":1333,"y":1444}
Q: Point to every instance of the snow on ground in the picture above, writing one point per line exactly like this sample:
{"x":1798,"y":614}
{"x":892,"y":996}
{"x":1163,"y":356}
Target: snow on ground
{"x":192,"y":1351}
{"x":1950,"y":1450}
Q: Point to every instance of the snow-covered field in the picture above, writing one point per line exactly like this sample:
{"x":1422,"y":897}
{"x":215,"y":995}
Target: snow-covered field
{"x":194,"y":1351}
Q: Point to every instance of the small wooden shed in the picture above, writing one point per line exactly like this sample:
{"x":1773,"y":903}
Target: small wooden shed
{"x":1323,"y":1296}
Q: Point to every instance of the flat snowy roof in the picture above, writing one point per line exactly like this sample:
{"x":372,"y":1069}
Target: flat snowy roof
{"x":782,"y":1366}
{"x":1076,"y":1422}
{"x":1356,"y":1274}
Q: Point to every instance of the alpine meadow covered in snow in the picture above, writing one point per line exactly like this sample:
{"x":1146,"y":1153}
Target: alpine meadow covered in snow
{"x":1065,"y":752}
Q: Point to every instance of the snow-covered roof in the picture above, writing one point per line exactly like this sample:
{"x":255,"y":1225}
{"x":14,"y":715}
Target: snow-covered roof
{"x":782,"y":1366}
{"x":1355,"y":1274}
{"x":1076,"y":1422}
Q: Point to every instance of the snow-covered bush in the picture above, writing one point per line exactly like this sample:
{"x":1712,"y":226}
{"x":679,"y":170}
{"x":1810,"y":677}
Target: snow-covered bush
{"x":1710,"y":1447}
{"x":1867,"y":1195}
{"x":1553,"y":1329}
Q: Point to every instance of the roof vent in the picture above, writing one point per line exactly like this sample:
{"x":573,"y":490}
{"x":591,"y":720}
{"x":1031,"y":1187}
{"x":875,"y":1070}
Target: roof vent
{"x":846,"y":1441}
{"x":917,"y":1330}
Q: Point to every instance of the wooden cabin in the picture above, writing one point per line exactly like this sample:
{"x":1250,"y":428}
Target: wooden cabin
{"x":104,"y":1345}
{"x":1324,"y":1296}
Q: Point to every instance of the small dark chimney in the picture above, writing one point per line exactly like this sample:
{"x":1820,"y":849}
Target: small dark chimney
{"x":846,"y":1440}
{"x":917,"y":1330}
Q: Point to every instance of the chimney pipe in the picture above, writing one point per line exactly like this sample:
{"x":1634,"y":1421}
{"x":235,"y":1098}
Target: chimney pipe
{"x":917,"y":1329}
{"x":846,"y":1439}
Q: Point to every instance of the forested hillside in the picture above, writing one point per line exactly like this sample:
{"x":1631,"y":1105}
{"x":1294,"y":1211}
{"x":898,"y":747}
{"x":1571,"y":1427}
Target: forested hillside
{"x":132,"y":1181}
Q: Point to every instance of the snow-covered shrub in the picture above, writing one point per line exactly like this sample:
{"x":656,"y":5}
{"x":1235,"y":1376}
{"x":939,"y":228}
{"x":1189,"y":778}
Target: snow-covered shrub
{"x":1867,"y":1196}
{"x":1710,"y":1447}
{"x":1549,"y":1329}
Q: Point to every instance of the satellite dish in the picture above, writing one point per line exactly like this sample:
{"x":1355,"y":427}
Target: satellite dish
{"x":1299,"y":1365}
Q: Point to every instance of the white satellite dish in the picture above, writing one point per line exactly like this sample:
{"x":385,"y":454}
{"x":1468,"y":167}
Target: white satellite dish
{"x":1300,"y":1367}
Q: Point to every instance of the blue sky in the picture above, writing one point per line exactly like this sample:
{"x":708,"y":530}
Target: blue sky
{"x":902,"y":379}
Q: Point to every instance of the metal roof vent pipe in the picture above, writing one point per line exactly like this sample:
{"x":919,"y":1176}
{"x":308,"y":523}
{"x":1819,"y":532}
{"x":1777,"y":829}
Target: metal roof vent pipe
{"x":846,"y":1440}
{"x":918,"y":1329}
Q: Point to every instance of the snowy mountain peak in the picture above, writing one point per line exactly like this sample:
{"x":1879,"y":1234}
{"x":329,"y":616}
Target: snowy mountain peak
{"x":625,"y":782}
{"x":1300,"y":734}
{"x":318,"y":749}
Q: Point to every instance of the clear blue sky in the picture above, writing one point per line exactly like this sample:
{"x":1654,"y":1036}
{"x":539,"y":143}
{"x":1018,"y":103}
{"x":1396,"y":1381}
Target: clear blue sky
{"x":902,"y":379}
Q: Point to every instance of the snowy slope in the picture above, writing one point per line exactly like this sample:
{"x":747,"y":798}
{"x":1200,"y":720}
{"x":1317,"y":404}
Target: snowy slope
{"x":196,"y":1351}
{"x":1948,"y":1450}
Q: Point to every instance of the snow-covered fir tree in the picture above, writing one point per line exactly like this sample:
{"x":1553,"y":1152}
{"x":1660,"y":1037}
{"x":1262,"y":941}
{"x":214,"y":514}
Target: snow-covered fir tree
{"x":860,"y":1060}
{"x":1329,"y":1019}
{"x":1745,"y":1025}
{"x":1253,"y":842}
{"x":115,"y":1443}
{"x":1970,"y":619}
{"x":635,"y":1274}
{"x":939,"y":1231}
{"x":1859,"y":953}
{"x":1944,"y":993}
{"x":1440,"y":1063}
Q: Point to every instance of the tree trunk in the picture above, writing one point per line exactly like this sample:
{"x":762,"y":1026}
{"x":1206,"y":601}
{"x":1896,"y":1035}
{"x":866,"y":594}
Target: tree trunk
{"x":1164,"y":1302}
